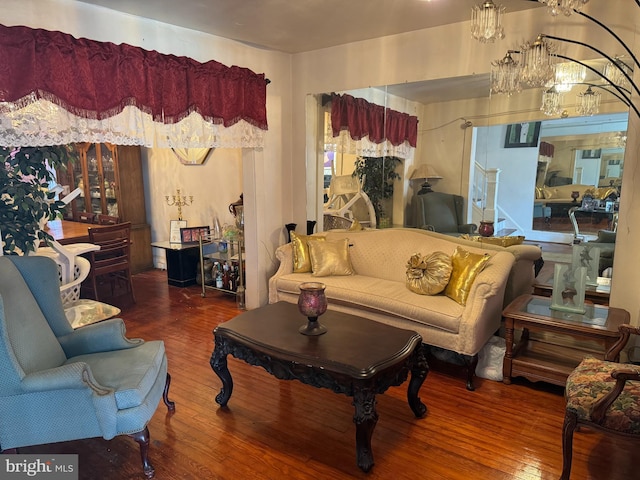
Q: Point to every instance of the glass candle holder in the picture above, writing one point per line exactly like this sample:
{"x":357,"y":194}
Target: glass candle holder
{"x":312,"y":302}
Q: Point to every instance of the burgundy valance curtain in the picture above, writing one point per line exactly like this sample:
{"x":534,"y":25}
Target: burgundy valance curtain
{"x":364,"y":119}
{"x":99,"y":80}
{"x":546,"y":149}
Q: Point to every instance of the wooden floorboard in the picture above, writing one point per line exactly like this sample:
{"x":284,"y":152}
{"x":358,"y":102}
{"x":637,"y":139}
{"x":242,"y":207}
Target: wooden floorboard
{"x":276,"y":429}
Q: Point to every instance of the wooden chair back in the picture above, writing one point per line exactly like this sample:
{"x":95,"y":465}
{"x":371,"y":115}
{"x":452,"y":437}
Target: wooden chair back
{"x":113,"y":261}
{"x":85,"y":217}
{"x":107,"y":219}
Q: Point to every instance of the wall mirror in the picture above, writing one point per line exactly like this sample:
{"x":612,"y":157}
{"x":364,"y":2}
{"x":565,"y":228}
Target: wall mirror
{"x":461,"y":127}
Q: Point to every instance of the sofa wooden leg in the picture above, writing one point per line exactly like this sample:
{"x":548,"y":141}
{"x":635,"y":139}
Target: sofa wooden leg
{"x":471,"y":362}
{"x":165,"y":395}
{"x":142,"y":437}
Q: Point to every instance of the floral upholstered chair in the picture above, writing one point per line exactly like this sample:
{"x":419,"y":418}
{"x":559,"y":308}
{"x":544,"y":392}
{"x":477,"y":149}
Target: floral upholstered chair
{"x":602,"y":394}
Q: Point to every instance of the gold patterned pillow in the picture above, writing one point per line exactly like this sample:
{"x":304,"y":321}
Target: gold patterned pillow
{"x":301,"y":259}
{"x":428,"y":275}
{"x":466,"y":267}
{"x":330,"y":258}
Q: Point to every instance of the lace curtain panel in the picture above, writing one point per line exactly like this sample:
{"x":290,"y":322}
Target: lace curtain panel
{"x":56,"y":89}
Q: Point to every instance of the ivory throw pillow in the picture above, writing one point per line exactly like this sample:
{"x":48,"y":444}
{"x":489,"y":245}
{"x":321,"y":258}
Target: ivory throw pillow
{"x":428,"y":275}
{"x":301,"y":259}
{"x":466,"y":267}
{"x":330,"y":258}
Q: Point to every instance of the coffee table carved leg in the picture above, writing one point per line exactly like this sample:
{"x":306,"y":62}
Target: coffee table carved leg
{"x":365,"y":418}
{"x":419,"y":372}
{"x":219,"y":365}
{"x":508,"y":355}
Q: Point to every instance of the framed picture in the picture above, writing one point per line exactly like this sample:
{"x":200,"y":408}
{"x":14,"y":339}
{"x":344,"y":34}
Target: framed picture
{"x":193,"y":234}
{"x":522,"y":135}
{"x":174,"y":230}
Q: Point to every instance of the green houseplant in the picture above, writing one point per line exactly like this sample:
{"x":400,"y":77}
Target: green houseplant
{"x":379,"y":174}
{"x":25,"y":201}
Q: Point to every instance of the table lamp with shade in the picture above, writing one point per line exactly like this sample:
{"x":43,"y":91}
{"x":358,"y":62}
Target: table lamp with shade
{"x":425,"y":172}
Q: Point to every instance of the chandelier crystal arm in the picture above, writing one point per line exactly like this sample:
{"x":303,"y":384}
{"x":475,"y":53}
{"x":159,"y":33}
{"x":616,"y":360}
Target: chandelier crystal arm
{"x":623,"y":91}
{"x":624,"y":94}
{"x":613,"y":34}
{"x":598,"y":51}
{"x":623,"y":99}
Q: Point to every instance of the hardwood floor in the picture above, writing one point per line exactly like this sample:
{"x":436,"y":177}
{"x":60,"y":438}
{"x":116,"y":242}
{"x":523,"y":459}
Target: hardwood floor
{"x":276,"y":429}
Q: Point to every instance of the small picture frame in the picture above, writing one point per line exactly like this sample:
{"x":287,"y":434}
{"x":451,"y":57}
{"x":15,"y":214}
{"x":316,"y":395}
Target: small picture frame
{"x":523,"y":134}
{"x":193,"y":234}
{"x":174,"y":230}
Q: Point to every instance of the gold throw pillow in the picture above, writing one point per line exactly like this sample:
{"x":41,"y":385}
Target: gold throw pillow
{"x":507,"y":241}
{"x":301,"y":259}
{"x":466,"y":267}
{"x":428,"y":275}
{"x":330,"y":258}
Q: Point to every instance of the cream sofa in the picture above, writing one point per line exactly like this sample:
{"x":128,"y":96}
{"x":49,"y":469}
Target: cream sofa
{"x":377,"y":291}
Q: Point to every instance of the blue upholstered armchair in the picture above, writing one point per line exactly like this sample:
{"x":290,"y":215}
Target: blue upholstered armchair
{"x":59,"y":384}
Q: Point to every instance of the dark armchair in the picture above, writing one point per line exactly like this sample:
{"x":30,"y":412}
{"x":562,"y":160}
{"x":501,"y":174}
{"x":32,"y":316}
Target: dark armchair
{"x":442,"y":212}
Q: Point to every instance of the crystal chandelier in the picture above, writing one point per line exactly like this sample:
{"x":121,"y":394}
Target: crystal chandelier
{"x":568,"y":74}
{"x":486,"y":22}
{"x":551,"y":101}
{"x":505,"y":75}
{"x":567,"y":7}
{"x":537,"y":67}
{"x":588,"y":102}
{"x":614,"y":72}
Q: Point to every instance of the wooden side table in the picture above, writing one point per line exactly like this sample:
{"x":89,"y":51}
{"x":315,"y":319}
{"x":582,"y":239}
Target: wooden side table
{"x":566,"y":338}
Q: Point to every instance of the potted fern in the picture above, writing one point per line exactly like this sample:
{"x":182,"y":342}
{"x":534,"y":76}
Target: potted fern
{"x":26,"y":203}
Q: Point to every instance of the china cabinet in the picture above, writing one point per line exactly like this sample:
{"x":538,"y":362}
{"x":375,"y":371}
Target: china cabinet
{"x":110,"y":177}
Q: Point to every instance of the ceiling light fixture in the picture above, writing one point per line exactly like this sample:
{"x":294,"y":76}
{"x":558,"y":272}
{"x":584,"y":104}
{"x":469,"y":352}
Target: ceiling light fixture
{"x":588,"y":102}
{"x":486,"y":22}
{"x":566,"y":7}
{"x":568,"y":74}
{"x":537,"y":63}
{"x":552,"y":102}
{"x":505,"y":75}
{"x":615,"y":71}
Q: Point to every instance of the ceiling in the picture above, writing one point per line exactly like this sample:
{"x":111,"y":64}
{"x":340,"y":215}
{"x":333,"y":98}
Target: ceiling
{"x":295,"y":26}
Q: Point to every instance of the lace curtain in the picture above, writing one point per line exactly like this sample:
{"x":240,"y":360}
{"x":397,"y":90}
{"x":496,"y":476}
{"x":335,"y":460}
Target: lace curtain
{"x":364,"y":128}
{"x":56,"y":89}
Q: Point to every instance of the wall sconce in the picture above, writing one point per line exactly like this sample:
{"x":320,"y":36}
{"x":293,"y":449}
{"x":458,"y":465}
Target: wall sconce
{"x":425,"y":172}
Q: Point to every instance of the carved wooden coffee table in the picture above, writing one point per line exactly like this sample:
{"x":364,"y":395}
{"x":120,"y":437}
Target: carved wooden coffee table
{"x":357,"y":357}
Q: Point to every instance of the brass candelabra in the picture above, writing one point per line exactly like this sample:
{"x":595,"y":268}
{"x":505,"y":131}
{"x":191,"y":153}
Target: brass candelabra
{"x":179,"y":201}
